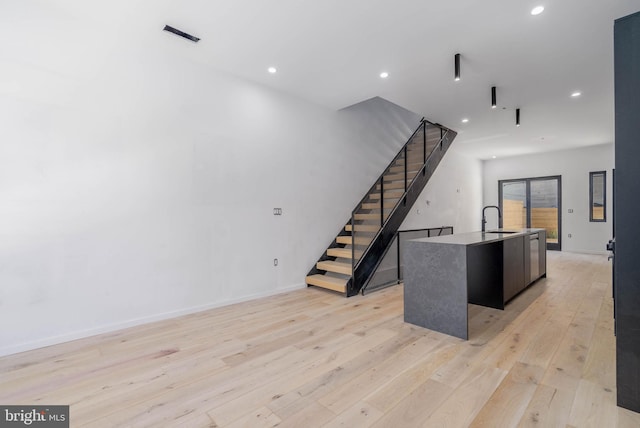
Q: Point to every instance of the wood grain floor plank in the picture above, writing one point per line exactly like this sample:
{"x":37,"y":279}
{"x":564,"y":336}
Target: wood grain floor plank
{"x":261,"y":418}
{"x":361,"y":415}
{"x":549,"y":407}
{"x":593,"y":406}
{"x":332,"y":380}
{"x":461,"y":407}
{"x":314,"y":413}
{"x":509,"y":402}
{"x":416,"y":408}
{"x":388,"y":396}
{"x":323,"y":361}
{"x":311,"y":358}
{"x":340,"y":399}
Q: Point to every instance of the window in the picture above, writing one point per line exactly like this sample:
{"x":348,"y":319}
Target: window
{"x":598,"y":196}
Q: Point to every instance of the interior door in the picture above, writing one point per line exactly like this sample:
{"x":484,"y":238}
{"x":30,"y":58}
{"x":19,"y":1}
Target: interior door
{"x":533,"y":202}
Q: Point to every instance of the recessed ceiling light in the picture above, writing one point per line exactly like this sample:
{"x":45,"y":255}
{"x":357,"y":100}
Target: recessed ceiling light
{"x":576,"y":94}
{"x":272,"y":70}
{"x":493,"y":157}
{"x":465,"y":120}
{"x":384,"y":75}
{"x":537,"y":10}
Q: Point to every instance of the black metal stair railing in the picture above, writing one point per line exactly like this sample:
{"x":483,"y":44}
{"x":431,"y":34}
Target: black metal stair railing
{"x":390,"y":271}
{"x":378,"y":216}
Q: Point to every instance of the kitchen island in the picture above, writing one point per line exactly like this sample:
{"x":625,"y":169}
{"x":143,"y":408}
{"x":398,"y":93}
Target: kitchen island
{"x":443,"y":274}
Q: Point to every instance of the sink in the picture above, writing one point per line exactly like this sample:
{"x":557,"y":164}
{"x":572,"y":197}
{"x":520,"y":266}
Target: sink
{"x":501,"y":231}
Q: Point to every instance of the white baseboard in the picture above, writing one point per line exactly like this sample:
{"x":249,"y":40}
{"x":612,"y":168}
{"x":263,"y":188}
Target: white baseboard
{"x":81,"y":334}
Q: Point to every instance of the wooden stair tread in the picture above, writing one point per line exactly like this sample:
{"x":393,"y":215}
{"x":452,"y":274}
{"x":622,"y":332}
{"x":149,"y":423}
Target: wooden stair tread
{"x":329,"y":282}
{"x":363,"y":227}
{"x":370,"y":216}
{"x":413,"y":169}
{"x":398,"y":178}
{"x":373,"y":206}
{"x":393,"y":184}
{"x":344,"y":253}
{"x":400,"y":168}
{"x":348,"y":240}
{"x":417,"y":162}
{"x":394,"y":177}
{"x":331,"y":266}
{"x":391,"y":194}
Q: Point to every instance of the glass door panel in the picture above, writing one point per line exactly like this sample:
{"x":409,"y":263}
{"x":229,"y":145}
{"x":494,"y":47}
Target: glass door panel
{"x":544,"y":207}
{"x":533,"y":202}
{"x":514,"y":199}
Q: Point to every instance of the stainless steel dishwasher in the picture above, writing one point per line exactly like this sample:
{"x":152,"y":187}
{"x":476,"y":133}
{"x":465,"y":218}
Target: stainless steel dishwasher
{"x":534,"y":257}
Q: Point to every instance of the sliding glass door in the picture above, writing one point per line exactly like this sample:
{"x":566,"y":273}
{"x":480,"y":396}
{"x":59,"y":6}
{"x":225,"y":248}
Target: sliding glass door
{"x":513,"y":204}
{"x":533,"y":202}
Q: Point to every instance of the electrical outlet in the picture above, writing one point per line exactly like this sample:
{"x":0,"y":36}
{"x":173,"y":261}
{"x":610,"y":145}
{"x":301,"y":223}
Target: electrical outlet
{"x":277,"y":211}
{"x":275,"y":262}
{"x":569,"y":235}
{"x":570,"y":210}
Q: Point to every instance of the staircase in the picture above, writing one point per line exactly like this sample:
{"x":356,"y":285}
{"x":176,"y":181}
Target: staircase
{"x":354,"y":255}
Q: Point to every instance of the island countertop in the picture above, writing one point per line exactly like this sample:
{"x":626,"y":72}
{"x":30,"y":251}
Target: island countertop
{"x":479,"y":238}
{"x":443,"y":274}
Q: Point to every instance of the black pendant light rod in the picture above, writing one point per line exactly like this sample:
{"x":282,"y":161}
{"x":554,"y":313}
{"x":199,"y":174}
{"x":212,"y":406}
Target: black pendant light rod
{"x":457,"y":66}
{"x":494,"y":104}
{"x":177,"y":32}
{"x":517,"y":117}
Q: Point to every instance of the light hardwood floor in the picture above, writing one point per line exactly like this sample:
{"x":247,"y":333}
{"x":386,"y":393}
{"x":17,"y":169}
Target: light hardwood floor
{"x":311,"y":358}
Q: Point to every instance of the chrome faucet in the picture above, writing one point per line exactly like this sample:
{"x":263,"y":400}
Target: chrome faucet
{"x":484,"y":219}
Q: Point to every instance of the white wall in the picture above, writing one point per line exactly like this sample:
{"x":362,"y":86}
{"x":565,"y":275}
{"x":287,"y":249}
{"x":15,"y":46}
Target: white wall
{"x":138,"y":184}
{"x":452,"y":197}
{"x":143,"y":188}
{"x":574,"y":167}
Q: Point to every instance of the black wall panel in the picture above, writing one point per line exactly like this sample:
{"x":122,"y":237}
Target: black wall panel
{"x":627,"y":210}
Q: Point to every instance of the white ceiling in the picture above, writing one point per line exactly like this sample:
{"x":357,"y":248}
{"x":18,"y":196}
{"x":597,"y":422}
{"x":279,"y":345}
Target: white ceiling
{"x":331,"y":52}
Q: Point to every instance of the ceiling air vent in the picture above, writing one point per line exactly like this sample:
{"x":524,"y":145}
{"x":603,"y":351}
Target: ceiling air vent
{"x":181,"y":33}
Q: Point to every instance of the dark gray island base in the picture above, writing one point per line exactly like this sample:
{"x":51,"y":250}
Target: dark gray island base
{"x":443,"y":274}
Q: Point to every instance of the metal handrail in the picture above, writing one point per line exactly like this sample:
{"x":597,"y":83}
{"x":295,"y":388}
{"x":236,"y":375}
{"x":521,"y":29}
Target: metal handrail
{"x":354,"y":265}
{"x":422,"y":122}
{"x":380,"y":179}
{"x":396,"y":238}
